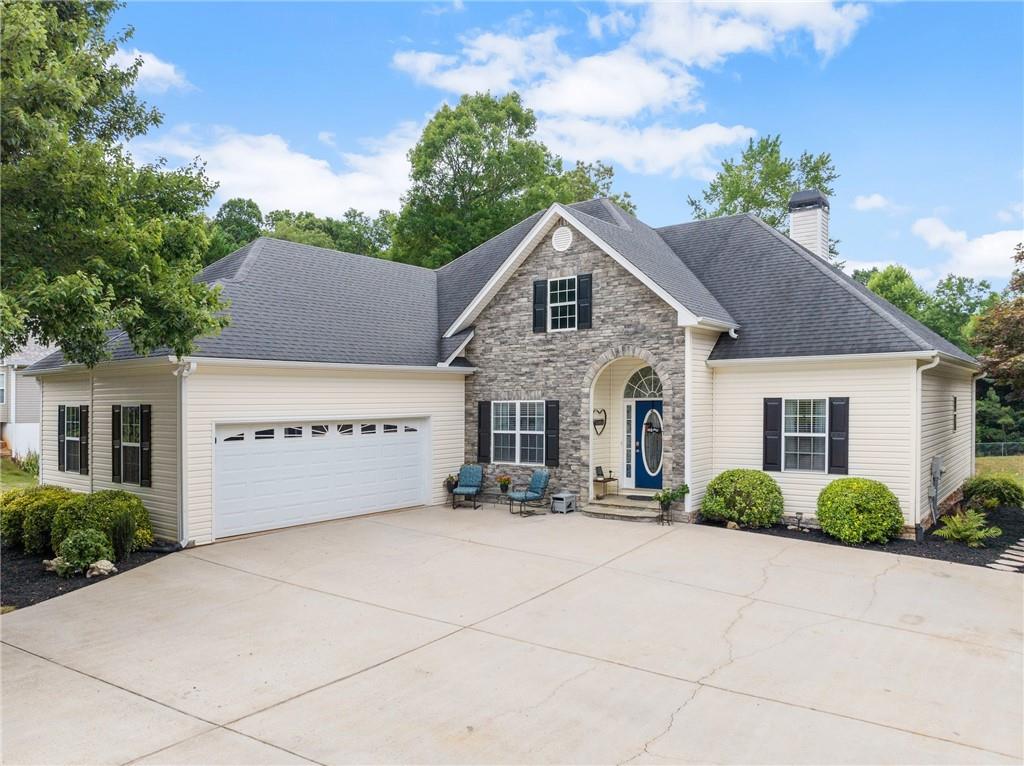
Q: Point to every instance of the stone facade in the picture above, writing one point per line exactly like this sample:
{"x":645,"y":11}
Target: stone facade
{"x":515,"y":363}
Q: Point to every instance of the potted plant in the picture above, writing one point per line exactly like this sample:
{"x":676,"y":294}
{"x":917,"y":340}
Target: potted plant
{"x":450,"y":483}
{"x":504,"y":482}
{"x":667,"y":496}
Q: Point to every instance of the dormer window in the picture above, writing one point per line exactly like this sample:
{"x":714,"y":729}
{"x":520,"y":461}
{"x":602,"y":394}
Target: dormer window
{"x":561,"y":304}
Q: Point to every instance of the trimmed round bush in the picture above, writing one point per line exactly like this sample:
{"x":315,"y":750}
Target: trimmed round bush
{"x":997,"y":488}
{"x":748,"y":497}
{"x":82,"y":547}
{"x":99,"y":511}
{"x":39,"y":506}
{"x":859,"y":510}
{"x":12,"y":517}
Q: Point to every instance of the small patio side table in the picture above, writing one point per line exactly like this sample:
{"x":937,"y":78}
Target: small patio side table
{"x":601,"y":486}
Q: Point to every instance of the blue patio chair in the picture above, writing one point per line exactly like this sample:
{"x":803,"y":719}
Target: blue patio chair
{"x":532,"y":495}
{"x":471,"y":481}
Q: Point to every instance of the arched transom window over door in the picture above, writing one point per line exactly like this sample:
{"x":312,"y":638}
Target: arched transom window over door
{"x":644,"y":384}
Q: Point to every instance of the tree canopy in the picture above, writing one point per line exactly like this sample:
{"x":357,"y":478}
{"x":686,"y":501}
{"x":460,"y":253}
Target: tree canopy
{"x":896,"y":285}
{"x":477,"y":170}
{"x":762,"y":180}
{"x":999,"y":332}
{"x":91,"y":240}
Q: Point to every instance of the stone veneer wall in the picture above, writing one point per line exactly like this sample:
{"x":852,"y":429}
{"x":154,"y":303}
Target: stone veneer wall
{"x":514,"y":363}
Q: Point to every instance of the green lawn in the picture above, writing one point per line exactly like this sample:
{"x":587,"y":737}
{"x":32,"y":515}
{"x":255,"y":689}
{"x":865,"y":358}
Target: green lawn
{"x":1010,"y":464}
{"x":12,"y":477}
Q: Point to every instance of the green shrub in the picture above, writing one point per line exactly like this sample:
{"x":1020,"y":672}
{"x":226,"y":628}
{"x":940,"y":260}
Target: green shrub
{"x":859,"y":510}
{"x":82,"y":547}
{"x":98,"y":511}
{"x":39,"y":506}
{"x":748,"y":497}
{"x":122,"y":534}
{"x":12,"y":517}
{"x":968,"y":526}
{"x":1003,"y":488}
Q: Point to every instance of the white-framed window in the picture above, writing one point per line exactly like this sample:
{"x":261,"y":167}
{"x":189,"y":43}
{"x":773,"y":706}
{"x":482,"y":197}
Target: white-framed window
{"x":561,"y":304}
{"x":517,"y":432}
{"x":3,"y":386}
{"x":72,"y":439}
{"x":131,"y":443}
{"x":805,"y":432}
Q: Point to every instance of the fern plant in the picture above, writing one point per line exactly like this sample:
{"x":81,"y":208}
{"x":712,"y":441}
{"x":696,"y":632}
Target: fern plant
{"x":968,"y":526}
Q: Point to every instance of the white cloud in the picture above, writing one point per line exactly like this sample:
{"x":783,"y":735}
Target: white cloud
{"x":616,"y":22}
{"x":1011,"y":213}
{"x":266,"y":169}
{"x":650,"y":149}
{"x":864,"y":202}
{"x":705,"y":34}
{"x":326,"y":138}
{"x":155,"y":74}
{"x":621,"y":102}
{"x":615,"y":85}
{"x":986,"y":257}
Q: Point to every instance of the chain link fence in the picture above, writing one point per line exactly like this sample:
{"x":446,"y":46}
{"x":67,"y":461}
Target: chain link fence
{"x":999,"y":449}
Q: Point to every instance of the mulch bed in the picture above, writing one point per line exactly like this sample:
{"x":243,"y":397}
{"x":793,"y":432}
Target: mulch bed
{"x":1010,"y":520}
{"x":24,"y":582}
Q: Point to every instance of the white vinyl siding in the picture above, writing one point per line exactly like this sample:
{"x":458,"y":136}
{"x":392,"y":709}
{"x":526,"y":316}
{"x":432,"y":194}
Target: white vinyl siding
{"x":155,"y":385}
{"x":26,"y":402}
{"x":5,"y":407}
{"x":938,"y":387}
{"x":228,"y":393}
{"x":881,"y":422}
{"x":699,"y":418}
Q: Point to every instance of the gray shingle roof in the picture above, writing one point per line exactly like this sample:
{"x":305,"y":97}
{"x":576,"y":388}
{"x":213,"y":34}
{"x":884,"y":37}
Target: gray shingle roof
{"x":295,"y":302}
{"x":788,"y":301}
{"x":30,"y":353}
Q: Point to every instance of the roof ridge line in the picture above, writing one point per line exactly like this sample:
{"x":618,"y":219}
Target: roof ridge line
{"x":612,"y":208}
{"x":831,"y":273}
{"x":247,"y":263}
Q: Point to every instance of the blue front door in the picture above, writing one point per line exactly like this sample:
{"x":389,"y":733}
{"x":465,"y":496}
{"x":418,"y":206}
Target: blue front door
{"x":648,"y":444}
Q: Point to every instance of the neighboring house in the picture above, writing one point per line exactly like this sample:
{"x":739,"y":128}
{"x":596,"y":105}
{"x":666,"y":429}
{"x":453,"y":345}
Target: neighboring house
{"x":19,"y":400}
{"x":579,"y":338}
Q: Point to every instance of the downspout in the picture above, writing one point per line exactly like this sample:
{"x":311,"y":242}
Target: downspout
{"x":687,"y":426}
{"x":182,"y":372}
{"x":42,"y":419}
{"x":916,"y":465}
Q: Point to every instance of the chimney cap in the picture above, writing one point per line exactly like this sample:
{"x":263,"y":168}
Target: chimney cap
{"x":807,"y":198}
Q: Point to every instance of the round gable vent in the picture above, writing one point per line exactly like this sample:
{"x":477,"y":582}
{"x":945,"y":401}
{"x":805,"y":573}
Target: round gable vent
{"x":561,"y":239}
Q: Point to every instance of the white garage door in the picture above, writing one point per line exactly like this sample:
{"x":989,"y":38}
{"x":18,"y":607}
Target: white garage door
{"x":270,"y":475}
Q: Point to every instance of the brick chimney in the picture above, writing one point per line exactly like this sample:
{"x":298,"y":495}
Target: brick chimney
{"x":808,"y":221}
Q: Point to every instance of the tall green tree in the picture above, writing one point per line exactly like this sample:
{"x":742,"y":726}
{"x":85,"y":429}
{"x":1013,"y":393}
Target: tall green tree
{"x":91,"y":241}
{"x":953,"y":305}
{"x":477,"y":170}
{"x":999,"y":333}
{"x":762,"y":180}
{"x":354,"y":232}
{"x":896,"y":285}
{"x":864,"y":275}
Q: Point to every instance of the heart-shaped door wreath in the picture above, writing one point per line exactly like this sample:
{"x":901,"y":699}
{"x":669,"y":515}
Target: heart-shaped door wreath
{"x":600,"y":420}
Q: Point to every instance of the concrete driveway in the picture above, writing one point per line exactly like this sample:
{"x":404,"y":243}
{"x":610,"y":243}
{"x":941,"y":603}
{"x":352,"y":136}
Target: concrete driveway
{"x":471,"y":636}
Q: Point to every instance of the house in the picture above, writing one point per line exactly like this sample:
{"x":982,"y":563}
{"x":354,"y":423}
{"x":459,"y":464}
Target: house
{"x":579,"y":338}
{"x":19,"y":400}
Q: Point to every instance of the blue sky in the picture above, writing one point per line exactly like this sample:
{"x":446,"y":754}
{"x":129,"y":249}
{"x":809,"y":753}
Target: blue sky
{"x":313,"y":105}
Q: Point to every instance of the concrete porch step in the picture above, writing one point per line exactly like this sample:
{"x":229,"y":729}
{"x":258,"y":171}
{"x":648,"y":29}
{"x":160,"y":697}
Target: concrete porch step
{"x":623,"y":508}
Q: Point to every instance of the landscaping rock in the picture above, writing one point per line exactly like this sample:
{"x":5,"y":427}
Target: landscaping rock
{"x":101,"y":567}
{"x":54,"y":564}
{"x":732,"y":525}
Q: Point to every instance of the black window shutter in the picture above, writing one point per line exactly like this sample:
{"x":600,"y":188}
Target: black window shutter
{"x":145,"y":445}
{"x":115,"y":443}
{"x":540,"y":305}
{"x":839,"y":434}
{"x":772,"y":449}
{"x":584,"y":300}
{"x":60,"y":438}
{"x":83,"y":441}
{"x":483,"y":432}
{"x":551,"y":433}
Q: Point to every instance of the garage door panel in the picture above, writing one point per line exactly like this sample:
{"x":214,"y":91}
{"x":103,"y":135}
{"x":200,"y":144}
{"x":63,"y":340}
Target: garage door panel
{"x":338,"y":469}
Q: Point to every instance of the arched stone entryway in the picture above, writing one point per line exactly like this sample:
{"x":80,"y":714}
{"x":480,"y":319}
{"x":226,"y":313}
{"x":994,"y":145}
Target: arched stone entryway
{"x":604,"y":391}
